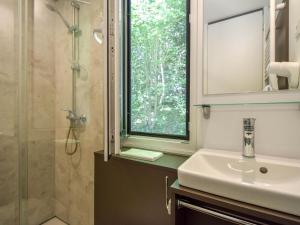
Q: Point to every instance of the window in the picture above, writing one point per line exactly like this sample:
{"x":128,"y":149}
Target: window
{"x":158,"y":68}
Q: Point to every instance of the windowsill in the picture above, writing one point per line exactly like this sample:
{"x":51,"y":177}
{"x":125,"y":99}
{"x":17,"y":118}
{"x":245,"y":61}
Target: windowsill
{"x":171,"y":161}
{"x":171,"y":146}
{"x":167,"y":161}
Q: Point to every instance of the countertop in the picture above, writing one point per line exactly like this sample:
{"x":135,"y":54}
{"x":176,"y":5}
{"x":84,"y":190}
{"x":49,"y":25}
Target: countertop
{"x":168,"y":161}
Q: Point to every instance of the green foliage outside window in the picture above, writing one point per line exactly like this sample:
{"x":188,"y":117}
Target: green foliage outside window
{"x":158,"y":53}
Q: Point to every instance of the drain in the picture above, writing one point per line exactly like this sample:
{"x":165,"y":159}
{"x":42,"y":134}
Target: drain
{"x":263,"y":170}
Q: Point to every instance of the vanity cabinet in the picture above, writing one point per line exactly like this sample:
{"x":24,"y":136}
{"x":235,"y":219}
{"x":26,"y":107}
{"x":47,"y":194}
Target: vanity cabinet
{"x":133,"y":192}
{"x":192,"y":207}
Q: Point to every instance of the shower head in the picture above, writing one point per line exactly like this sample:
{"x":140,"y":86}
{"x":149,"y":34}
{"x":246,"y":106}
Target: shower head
{"x":82,"y":2}
{"x":77,"y":3}
{"x":55,"y":10}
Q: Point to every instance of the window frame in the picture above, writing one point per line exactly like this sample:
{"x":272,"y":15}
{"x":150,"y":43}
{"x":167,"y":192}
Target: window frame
{"x":121,"y":139}
{"x":127,"y":79}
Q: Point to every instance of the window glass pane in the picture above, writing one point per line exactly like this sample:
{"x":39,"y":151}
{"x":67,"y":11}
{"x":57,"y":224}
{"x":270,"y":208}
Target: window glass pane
{"x":158,"y":69}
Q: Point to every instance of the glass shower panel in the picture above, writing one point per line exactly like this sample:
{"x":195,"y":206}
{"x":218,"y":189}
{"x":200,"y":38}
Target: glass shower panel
{"x":38,"y":180}
{"x":9,"y":120}
{"x":40,"y":93}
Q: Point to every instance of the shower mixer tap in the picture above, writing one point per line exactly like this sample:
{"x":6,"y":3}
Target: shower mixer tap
{"x":73,"y":118}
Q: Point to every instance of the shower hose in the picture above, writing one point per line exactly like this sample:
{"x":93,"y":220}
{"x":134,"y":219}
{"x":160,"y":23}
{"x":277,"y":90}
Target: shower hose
{"x":73,"y":149}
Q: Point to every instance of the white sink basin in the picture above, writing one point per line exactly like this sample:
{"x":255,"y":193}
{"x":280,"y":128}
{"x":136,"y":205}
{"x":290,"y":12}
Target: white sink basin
{"x":230,"y":175}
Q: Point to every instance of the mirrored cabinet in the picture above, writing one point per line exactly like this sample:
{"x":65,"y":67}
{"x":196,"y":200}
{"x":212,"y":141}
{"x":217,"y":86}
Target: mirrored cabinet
{"x":250,"y":46}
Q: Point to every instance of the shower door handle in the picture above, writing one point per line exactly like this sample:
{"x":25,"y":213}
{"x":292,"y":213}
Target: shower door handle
{"x":167,"y":200}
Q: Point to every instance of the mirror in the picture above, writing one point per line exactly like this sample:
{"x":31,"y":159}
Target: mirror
{"x":243,"y":52}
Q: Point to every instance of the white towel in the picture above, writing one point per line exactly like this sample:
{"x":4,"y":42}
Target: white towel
{"x":268,"y":88}
{"x":142,"y":154}
{"x":291,"y":70}
{"x":273,"y":81}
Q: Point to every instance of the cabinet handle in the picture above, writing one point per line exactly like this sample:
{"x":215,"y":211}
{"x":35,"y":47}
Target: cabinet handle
{"x":167,"y":201}
{"x":182,"y":204}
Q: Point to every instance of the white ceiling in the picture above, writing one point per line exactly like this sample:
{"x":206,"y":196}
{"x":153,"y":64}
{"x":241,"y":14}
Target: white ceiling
{"x":220,"y":9}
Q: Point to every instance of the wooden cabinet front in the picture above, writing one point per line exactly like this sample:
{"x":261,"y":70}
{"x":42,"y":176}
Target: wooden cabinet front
{"x":192,"y":207}
{"x":129,"y":192}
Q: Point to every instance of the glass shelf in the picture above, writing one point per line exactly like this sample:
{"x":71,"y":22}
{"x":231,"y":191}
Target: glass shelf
{"x":248,"y":103}
{"x":206,"y":107}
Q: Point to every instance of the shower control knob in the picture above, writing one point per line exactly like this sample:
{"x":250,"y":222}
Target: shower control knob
{"x":83,"y":119}
{"x":71,"y":115}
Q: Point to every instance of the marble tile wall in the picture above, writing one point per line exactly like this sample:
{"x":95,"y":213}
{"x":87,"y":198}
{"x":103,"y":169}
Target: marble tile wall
{"x":41,"y":113}
{"x":74,"y":175}
{"x":9,"y":204}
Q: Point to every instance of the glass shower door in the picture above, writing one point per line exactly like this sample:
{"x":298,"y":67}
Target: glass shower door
{"x":10,"y":88}
{"x":38,"y":180}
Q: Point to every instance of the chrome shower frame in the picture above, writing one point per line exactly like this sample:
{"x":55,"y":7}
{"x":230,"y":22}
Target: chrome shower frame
{"x":76,"y":32}
{"x":76,"y":121}
{"x":75,"y":53}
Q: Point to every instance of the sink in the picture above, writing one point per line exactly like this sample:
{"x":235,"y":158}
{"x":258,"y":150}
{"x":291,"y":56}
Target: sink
{"x":265,"y":181}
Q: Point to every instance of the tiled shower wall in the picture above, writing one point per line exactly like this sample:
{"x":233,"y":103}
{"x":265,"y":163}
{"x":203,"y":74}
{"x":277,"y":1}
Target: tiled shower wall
{"x":57,"y":184}
{"x":41,"y":113}
{"x":74,"y":175}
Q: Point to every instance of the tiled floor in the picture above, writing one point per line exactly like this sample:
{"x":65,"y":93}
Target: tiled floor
{"x":54,"y":221}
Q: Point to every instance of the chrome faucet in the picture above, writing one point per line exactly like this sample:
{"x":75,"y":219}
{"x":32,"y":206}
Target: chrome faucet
{"x":249,"y":131}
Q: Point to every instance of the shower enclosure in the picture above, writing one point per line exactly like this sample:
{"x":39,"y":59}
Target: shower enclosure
{"x":49,"y":63}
